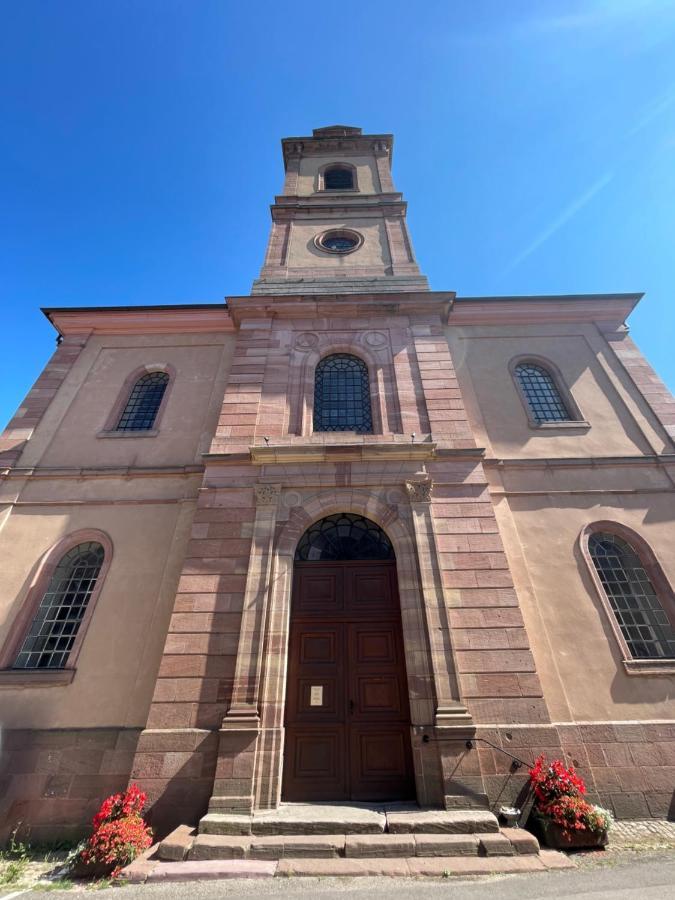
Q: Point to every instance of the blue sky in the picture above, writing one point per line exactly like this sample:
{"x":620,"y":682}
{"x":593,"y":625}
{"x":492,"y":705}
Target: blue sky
{"x":535,"y":143}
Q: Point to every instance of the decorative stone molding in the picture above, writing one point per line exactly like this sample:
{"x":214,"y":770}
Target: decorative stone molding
{"x":267,"y":494}
{"x":419,"y":491}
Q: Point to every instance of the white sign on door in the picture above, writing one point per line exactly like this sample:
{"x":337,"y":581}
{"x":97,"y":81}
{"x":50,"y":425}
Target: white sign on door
{"x":316,"y":695}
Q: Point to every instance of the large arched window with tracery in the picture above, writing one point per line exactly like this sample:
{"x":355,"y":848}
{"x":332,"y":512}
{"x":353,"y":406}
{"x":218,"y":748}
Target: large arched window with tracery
{"x":342,"y":395}
{"x":632,"y":597}
{"x":54,"y":628}
{"x":142,"y":406}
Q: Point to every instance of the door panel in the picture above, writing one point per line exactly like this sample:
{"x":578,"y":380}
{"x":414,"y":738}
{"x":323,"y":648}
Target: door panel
{"x":347,"y":711}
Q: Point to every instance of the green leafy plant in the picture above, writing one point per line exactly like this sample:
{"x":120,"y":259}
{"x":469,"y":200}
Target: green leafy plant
{"x":14,"y":860}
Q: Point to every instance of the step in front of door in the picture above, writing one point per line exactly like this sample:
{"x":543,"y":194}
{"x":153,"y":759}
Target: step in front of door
{"x":361,"y":846}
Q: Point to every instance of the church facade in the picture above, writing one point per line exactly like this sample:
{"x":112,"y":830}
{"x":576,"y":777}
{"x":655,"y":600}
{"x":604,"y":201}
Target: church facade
{"x":344,"y":538}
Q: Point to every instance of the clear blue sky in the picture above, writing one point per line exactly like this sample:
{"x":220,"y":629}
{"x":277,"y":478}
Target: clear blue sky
{"x":535,"y":143}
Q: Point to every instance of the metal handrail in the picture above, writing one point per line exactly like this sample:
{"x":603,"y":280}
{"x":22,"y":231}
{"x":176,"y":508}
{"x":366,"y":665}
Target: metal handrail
{"x":517,"y":761}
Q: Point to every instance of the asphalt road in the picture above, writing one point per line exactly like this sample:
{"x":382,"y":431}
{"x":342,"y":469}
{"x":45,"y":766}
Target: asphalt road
{"x":651,"y":877}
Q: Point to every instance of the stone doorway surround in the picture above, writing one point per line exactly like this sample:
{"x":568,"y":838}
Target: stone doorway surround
{"x":250,"y":758}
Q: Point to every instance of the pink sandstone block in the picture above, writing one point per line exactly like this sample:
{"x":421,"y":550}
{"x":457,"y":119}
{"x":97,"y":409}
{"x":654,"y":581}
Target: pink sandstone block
{"x":212,"y":869}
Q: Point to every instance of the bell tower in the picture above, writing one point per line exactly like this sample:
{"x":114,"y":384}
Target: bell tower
{"x":340,"y":225}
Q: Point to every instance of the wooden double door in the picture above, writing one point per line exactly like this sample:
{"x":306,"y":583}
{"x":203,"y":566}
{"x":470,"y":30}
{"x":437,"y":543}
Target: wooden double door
{"x":347,"y":711}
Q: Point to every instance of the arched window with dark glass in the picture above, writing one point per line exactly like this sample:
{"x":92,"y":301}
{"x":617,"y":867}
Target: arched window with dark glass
{"x":629,"y":590}
{"x":344,"y":536}
{"x":342,"y":395}
{"x":141,"y":408}
{"x":54,"y":628}
{"x":541,"y":394}
{"x":338,"y":178}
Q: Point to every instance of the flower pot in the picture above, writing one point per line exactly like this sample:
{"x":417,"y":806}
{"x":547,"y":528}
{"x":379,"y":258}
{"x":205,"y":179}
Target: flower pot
{"x":552,"y":834}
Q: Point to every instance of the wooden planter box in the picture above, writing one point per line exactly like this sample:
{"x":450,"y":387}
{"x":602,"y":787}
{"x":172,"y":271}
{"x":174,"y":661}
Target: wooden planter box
{"x":553,"y":836}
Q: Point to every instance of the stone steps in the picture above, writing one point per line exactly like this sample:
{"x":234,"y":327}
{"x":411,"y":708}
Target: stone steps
{"x":184,"y":844}
{"x":301,"y":819}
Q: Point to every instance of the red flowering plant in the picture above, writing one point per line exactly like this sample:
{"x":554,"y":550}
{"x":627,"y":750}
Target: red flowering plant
{"x":559,"y":796}
{"x":119,"y":833}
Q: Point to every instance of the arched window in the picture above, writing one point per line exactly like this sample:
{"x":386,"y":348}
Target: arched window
{"x":641,"y":618}
{"x":54,"y":628}
{"x":141,"y":408}
{"x":342,"y":395}
{"x":541,"y":394}
{"x":338,"y":178}
{"x":344,"y":536}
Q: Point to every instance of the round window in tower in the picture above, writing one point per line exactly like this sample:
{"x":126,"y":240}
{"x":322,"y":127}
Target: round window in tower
{"x":339,"y":240}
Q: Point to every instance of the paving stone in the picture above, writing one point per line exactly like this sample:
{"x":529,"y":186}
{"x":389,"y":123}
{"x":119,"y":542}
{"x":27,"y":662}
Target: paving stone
{"x":212,"y":868}
{"x":380,"y":845}
{"x":342,"y":867}
{"x":289,"y":845}
{"x":175,"y":846}
{"x":554,"y":859}
{"x":495,"y":845}
{"x":442,"y":821}
{"x":219,"y":846}
{"x":446,"y":845}
{"x":223,"y":823}
{"x":464,"y":865}
{"x":316,"y":818}
{"x":523,"y":842}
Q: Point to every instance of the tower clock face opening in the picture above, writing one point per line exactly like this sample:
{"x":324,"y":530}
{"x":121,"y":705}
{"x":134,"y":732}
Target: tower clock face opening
{"x":339,"y":241}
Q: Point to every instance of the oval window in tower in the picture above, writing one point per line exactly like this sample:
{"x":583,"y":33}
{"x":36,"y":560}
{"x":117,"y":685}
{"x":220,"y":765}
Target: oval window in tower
{"x":339,"y":240}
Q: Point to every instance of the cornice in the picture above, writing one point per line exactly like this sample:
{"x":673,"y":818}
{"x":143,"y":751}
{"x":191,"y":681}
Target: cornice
{"x":332,"y":453}
{"x":314,"y":206}
{"x":141,"y":320}
{"x":341,"y":305}
{"x":607,"y":310}
{"x":380,"y":144}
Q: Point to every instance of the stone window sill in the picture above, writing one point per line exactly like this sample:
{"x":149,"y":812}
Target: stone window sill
{"x":128,"y":434}
{"x":35,"y":677}
{"x":649,"y":666}
{"x":575,"y":425}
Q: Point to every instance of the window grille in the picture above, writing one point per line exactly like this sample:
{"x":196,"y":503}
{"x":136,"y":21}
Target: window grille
{"x":53,"y":631}
{"x":342,"y":395}
{"x":541,"y":393}
{"x":344,"y":536}
{"x":144,"y":401}
{"x":642,"y":620}
{"x":338,"y":179}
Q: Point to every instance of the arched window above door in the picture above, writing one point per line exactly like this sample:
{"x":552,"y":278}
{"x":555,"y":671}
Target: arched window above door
{"x":344,"y":536}
{"x":342,"y":395}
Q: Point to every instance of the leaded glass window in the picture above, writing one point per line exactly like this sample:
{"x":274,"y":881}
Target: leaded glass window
{"x":642,"y":620}
{"x":541,"y":393}
{"x":342,"y":395}
{"x":338,"y":179}
{"x":144,"y":401}
{"x":53,"y":631}
{"x":344,"y":536}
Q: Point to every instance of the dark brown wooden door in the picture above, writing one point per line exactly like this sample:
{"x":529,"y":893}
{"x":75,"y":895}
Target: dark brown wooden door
{"x":347,"y":712}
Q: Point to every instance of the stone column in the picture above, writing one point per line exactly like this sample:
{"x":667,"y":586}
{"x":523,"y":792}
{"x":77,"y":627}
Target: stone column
{"x":234,"y":788}
{"x":453,"y":725}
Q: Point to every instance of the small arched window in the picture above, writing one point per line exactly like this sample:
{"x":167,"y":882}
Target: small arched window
{"x":141,"y":408}
{"x":338,"y":178}
{"x":631,"y":595}
{"x":342,"y":395}
{"x":541,"y":394}
{"x":54,"y":628}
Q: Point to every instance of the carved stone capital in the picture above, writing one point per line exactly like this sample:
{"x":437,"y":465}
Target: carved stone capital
{"x":267,"y":494}
{"x":419,"y":491}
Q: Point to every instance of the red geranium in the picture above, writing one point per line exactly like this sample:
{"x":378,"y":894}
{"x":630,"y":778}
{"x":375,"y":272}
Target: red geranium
{"x":558,"y":792}
{"x":119,"y":832}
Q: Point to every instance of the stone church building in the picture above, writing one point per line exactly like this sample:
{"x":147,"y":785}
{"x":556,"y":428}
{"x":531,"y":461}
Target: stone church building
{"x":344,"y":538}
